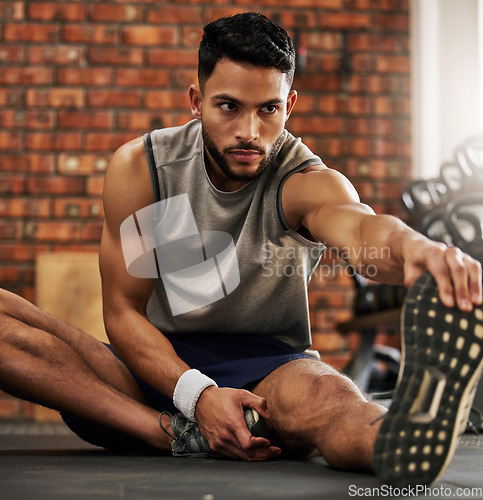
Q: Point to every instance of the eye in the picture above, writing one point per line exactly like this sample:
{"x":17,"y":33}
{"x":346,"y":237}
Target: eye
{"x":228,"y":106}
{"x":270,"y":109}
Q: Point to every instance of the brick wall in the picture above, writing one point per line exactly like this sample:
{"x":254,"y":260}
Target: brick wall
{"x":78,"y":79}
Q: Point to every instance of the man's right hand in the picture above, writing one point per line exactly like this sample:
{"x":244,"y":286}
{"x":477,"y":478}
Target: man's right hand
{"x":220,"y":416}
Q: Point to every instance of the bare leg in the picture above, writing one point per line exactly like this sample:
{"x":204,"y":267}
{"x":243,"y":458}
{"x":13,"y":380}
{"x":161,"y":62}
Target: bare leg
{"x":49,"y":362}
{"x":316,"y":409}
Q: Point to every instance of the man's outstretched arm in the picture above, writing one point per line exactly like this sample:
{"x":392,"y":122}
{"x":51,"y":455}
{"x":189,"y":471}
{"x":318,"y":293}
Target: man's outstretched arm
{"x":381,"y":246}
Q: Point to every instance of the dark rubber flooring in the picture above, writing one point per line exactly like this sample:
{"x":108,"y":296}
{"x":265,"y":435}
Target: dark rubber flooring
{"x":47,"y":462}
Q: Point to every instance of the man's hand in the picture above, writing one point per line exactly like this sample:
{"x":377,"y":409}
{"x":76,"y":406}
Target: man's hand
{"x":219,"y":413}
{"x":457,"y":275}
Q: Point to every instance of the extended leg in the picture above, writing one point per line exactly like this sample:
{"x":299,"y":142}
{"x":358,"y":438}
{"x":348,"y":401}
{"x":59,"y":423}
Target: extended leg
{"x":315,"y":408}
{"x":47,"y":361}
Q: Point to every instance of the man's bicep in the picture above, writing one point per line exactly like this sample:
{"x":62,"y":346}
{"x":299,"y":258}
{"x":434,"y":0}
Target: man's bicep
{"x":120,"y":290}
{"x":327,"y":205}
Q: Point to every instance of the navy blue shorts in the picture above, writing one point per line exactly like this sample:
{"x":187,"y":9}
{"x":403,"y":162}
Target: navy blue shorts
{"x":238,"y":361}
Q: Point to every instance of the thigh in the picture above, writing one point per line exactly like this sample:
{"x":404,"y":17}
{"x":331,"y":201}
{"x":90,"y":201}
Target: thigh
{"x":20,"y":321}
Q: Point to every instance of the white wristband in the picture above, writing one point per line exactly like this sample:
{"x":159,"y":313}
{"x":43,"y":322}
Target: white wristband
{"x":188,"y":390}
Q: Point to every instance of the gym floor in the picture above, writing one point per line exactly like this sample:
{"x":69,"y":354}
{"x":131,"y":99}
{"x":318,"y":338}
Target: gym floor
{"x":45,"y":461}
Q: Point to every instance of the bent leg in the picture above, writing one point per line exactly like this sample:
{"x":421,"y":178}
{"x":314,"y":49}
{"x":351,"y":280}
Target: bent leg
{"x":49,"y":362}
{"x":315,"y":408}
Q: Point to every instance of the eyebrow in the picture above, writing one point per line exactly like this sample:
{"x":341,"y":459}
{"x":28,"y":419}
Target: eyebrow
{"x":227,"y":97}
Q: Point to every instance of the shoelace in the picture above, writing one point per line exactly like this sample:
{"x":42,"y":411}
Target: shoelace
{"x":185,"y":431}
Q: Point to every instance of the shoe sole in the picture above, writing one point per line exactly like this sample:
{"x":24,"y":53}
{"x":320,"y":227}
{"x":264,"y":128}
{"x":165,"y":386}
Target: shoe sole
{"x":441,"y":367}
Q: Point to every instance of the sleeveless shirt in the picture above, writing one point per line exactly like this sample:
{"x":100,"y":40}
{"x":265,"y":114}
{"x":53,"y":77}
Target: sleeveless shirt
{"x":273,"y":262}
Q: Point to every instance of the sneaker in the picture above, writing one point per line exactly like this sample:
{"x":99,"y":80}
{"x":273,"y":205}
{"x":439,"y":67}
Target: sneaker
{"x":441,"y":367}
{"x":188,"y":440}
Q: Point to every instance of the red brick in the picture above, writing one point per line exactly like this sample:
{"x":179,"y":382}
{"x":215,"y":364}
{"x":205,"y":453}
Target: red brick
{"x":363,"y":62}
{"x":168,"y":57}
{"x":142,"y":78}
{"x":91,"y":33}
{"x":85,"y":76}
{"x":305,"y":104}
{"x":328,"y":104}
{"x":20,"y":251}
{"x":115,"y":56}
{"x":11,"y":230}
{"x":54,"y":141}
{"x":56,"y":185}
{"x":49,"y":11}
{"x":27,"y":119}
{"x":31,"y":33}
{"x":141,"y":121}
{"x":191,"y":36}
{"x":315,"y":125}
{"x":56,"y":98}
{"x":115,"y":13}
{"x":175,"y":15}
{"x":12,"y":11}
{"x":12,"y":184}
{"x":392,"y":64}
{"x":85,"y":120}
{"x":344,"y":20}
{"x":114,"y":98}
{"x":213,"y":13}
{"x":321,"y":40}
{"x":91,"y":231}
{"x":149,"y":35}
{"x":103,"y":141}
{"x":298,"y":19}
{"x":182,"y":79}
{"x":317,"y":4}
{"x":95,"y":186}
{"x":12,"y":54}
{"x":54,"y":231}
{"x":57,"y":55}
{"x":10,"y":140}
{"x":21,"y":207}
{"x":26,"y":76}
{"x":82,"y":164}
{"x":391,"y":22}
{"x":167,"y":100}
{"x":31,"y":163}
{"x":78,"y":207}
{"x":11,"y":97}
{"x":392,"y":106}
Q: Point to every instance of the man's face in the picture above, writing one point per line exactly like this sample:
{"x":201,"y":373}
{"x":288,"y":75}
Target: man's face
{"x":243,"y":110}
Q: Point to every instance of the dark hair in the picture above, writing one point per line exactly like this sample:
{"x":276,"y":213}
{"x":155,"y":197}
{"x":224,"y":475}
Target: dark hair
{"x":249,"y":37}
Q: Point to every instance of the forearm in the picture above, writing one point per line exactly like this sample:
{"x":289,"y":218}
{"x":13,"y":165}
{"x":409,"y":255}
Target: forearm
{"x":380,"y":251}
{"x":145,"y":350}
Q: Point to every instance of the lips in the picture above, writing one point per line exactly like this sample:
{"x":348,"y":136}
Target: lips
{"x":245,"y":155}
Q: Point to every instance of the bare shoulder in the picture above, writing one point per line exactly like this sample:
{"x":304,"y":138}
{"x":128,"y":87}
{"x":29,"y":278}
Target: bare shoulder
{"x":313,"y":188}
{"x":127,"y":185}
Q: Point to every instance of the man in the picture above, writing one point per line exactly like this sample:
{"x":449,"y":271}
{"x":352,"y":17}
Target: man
{"x":213,"y":209}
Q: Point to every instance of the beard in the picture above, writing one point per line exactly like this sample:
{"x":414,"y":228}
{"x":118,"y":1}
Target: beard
{"x":220,"y":158}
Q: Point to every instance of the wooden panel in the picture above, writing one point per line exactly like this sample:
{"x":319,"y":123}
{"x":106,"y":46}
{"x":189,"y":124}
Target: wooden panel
{"x":68,"y":285}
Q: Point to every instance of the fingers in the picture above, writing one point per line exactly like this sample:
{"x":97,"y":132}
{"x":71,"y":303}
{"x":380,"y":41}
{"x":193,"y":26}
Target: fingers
{"x":221,"y":420}
{"x":458,"y":277}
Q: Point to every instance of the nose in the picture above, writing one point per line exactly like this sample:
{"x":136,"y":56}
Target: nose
{"x":247,"y":130}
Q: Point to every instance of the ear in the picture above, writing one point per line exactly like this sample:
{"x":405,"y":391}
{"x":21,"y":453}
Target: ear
{"x":291,"y":100}
{"x":196,"y":98}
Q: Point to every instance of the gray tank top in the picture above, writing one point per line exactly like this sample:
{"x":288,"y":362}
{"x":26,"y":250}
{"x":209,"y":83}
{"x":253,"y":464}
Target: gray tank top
{"x":234,"y":251}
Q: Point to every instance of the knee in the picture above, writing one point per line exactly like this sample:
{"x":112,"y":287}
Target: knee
{"x":7,"y":302}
